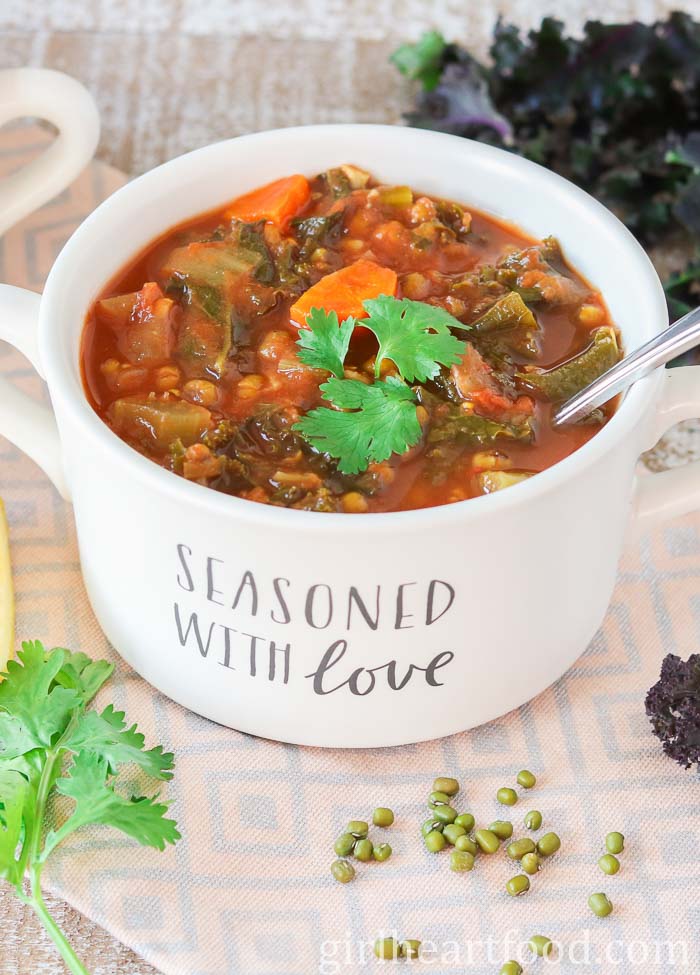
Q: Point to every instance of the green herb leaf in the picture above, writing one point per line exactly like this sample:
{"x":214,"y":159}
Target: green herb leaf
{"x":422,"y":61}
{"x":324,"y":343}
{"x":415,"y":336}
{"x":106,"y":734}
{"x":383,"y":421}
{"x":143,"y":818}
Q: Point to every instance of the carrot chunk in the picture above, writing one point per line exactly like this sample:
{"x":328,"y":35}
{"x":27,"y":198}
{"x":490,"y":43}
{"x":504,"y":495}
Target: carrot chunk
{"x":278,"y":201}
{"x":344,"y":291}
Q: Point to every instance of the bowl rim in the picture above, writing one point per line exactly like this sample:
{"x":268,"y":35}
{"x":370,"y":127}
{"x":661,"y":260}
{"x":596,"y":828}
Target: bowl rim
{"x":92,"y":427}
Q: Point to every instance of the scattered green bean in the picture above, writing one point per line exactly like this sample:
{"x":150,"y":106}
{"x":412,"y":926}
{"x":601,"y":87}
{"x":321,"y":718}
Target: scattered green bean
{"x":519,"y":848}
{"x":386,"y":948}
{"x":445,"y":814}
{"x":409,"y":949}
{"x":452,"y":833}
{"x":507,"y":797}
{"x":615,"y":843}
{"x":382,"y":817}
{"x":502,"y":829}
{"x":446,"y":785}
{"x":600,"y":904}
{"x":344,"y":845}
{"x":526,"y":779}
{"x":518,"y":885}
{"x":512,"y":968}
{"x":530,"y":863}
{"x":548,"y":844}
{"x":343,"y":871}
{"x":609,"y":864}
{"x":539,"y":945}
{"x":359,"y":828}
{"x":381,"y":852}
{"x":467,"y":845}
{"x":487,"y":841}
{"x":363,"y":850}
{"x":461,"y":861}
{"x":533,"y":820}
{"x":435,"y":841}
{"x":436,"y":799}
{"x":466,"y":820}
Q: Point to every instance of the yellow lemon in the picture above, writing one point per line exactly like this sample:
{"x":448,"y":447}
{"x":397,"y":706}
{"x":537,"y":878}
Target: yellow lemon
{"x":7,"y":602}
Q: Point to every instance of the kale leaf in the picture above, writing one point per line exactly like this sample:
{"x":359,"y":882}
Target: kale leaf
{"x":673,"y":706}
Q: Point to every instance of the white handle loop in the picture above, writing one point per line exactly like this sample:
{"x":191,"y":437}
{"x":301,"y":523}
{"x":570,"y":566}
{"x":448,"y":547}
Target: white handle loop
{"x":675,"y":492}
{"x":64,"y":102}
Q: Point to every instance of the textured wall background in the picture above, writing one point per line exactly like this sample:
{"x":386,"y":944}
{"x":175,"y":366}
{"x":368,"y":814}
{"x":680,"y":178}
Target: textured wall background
{"x":172,"y":75}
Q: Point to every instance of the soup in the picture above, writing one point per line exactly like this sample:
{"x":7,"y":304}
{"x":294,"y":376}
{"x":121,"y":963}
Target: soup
{"x":339,"y":345}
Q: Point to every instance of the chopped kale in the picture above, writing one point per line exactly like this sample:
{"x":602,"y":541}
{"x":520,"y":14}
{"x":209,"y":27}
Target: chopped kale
{"x":673,"y":706}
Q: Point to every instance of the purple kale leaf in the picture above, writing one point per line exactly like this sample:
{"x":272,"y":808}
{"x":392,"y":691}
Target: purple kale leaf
{"x":673,"y":706}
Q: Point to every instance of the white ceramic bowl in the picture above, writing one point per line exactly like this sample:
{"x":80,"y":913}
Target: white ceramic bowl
{"x":250,"y":614}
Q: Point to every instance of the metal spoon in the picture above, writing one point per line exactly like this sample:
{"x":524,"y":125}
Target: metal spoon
{"x":676,"y":339}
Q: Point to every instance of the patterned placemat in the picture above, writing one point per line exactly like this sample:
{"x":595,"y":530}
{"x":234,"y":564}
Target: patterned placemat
{"x":248,"y":890}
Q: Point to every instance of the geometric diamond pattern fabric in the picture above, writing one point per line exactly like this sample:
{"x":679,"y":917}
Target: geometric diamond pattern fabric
{"x":248,"y":890}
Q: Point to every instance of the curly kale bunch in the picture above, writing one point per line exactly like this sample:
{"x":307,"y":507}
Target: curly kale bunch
{"x":673,"y":705}
{"x":616,"y":110}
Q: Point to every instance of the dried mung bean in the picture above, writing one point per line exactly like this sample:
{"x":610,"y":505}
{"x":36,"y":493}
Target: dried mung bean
{"x":530,"y":863}
{"x":526,"y":779}
{"x":548,"y":844}
{"x":429,"y":825}
{"x":502,"y":829}
{"x":344,"y":845}
{"x":615,"y":843}
{"x":435,"y":841}
{"x":386,"y":948}
{"x":466,"y":820}
{"x":511,"y":968}
{"x":461,"y":861}
{"x":445,"y":814}
{"x":447,"y":785}
{"x":359,"y":828}
{"x":467,"y":845}
{"x":436,"y":799}
{"x":487,"y":841}
{"x":533,"y":820}
{"x":518,"y":885}
{"x":609,"y":864}
{"x":342,"y":871}
{"x":519,"y":848}
{"x":409,"y":949}
{"x":382,"y":817}
{"x":452,"y":833}
{"x":381,"y":852}
{"x":600,"y":904}
{"x":507,"y":797}
{"x":363,"y":850}
{"x":539,"y":945}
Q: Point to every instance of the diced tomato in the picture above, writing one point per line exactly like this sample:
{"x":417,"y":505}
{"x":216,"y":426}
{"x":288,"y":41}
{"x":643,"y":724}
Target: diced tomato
{"x":278,"y":201}
{"x":344,"y":291}
{"x":499,"y":407}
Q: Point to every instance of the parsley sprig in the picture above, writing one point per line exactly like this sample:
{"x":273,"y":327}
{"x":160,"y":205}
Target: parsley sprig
{"x":51,"y":743}
{"x":369,"y":423}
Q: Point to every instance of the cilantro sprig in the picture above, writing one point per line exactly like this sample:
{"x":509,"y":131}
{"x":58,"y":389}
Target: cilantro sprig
{"x":51,"y":743}
{"x":369,"y":423}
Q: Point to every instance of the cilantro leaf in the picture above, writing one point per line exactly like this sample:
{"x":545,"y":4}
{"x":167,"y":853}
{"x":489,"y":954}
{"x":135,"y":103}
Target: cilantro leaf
{"x":96,"y":801}
{"x":33,"y":707}
{"x":422,"y":60}
{"x":324,"y":342}
{"x":383,"y":421}
{"x":414,"y":335}
{"x":84,"y":675}
{"x":15,"y":790}
{"x":106,"y":734}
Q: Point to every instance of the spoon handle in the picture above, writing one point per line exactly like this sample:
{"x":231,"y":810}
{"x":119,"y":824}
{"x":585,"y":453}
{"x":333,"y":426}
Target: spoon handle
{"x":673,"y":341}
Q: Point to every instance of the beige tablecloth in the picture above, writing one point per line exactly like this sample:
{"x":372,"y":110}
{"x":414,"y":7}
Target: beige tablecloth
{"x":170,"y":76}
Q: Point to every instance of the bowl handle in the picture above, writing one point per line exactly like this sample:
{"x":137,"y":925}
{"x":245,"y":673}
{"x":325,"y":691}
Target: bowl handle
{"x":26,"y":423}
{"x":674,"y":492}
{"x":58,"y":99}
{"x":63,"y":101}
